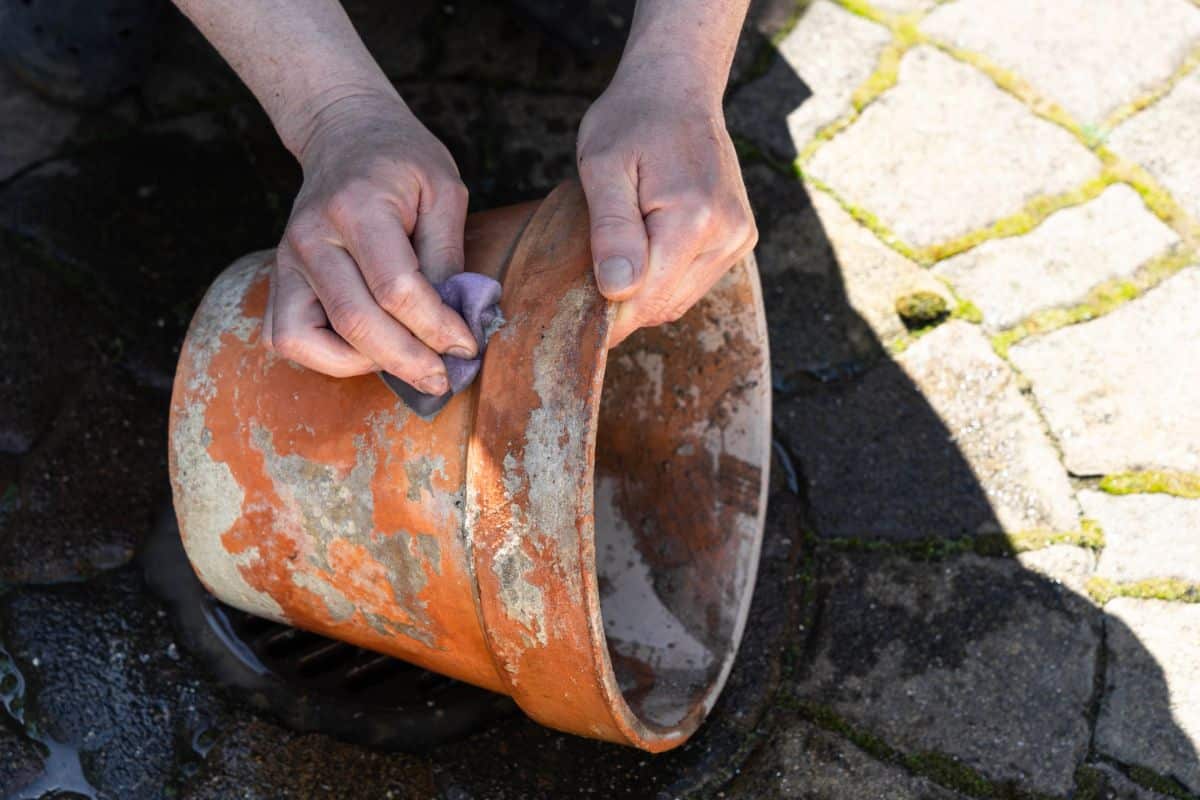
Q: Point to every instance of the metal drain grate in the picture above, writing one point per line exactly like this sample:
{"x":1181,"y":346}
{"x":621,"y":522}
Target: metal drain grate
{"x":309,"y":682}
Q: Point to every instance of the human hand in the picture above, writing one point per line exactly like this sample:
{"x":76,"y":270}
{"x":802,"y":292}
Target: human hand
{"x":669,"y":212}
{"x":380,"y":215}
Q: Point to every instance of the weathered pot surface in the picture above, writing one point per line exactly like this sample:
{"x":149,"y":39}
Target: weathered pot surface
{"x":580,"y":529}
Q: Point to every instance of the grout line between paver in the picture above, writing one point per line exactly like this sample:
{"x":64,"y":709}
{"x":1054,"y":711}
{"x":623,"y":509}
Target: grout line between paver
{"x":1169,"y":482}
{"x":1101,"y":300}
{"x":1176,"y":590}
{"x":1149,"y":98}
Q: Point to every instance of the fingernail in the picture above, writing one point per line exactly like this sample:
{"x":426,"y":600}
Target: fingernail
{"x":458,"y":351}
{"x":434,"y":384}
{"x":615,"y":274}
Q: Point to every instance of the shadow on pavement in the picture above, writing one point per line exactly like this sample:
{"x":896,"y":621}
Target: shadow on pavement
{"x":895,"y":642}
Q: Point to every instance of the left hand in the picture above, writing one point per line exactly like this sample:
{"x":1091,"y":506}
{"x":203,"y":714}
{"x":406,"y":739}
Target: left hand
{"x":669,"y":213}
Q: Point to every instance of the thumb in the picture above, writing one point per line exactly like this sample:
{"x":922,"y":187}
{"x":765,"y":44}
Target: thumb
{"x":619,"y":244}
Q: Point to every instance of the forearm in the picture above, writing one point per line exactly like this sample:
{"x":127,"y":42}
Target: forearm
{"x":692,"y":40}
{"x":302,"y":59}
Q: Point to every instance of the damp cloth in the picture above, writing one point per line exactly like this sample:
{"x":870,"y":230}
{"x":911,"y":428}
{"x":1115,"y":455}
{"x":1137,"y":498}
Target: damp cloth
{"x":477,"y":299}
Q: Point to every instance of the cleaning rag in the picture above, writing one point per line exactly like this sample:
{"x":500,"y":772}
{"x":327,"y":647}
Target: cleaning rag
{"x":477,"y":299}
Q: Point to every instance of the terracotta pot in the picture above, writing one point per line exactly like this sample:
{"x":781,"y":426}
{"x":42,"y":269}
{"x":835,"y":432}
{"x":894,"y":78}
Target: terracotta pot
{"x":579,"y":530}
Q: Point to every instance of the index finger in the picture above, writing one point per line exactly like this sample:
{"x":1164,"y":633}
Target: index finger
{"x":377,"y":242}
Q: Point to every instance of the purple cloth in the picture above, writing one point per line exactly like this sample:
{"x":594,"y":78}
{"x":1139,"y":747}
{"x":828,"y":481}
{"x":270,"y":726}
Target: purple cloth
{"x":476,"y":297}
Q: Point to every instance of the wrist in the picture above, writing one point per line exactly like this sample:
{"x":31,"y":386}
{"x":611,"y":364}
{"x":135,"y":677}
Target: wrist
{"x":683,"y":45}
{"x":679,"y":76}
{"x":333,"y":111}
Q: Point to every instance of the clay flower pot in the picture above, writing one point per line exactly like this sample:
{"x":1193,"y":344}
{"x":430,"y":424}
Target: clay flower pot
{"x":579,"y":530}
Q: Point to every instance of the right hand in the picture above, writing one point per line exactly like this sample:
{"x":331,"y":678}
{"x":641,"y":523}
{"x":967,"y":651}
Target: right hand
{"x":379,"y":217}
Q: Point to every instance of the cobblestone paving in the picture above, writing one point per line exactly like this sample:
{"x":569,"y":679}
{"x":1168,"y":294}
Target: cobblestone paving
{"x":981,"y":576}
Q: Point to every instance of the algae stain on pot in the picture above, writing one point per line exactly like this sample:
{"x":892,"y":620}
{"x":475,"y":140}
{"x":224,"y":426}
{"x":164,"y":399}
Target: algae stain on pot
{"x":213,"y":502}
{"x":547,"y":473}
{"x":332,"y":510}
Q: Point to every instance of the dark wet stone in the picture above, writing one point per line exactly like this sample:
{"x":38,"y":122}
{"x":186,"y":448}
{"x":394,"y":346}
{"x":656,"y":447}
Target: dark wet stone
{"x":974,"y":659}
{"x":85,"y":494}
{"x":253,"y":759}
{"x":105,"y":678}
{"x":145,"y":224}
{"x":510,"y":146}
{"x":802,"y":762}
{"x":530,"y":144}
{"x":883,"y":460}
{"x":187,"y":73}
{"x":49,"y":333}
{"x":20,"y":760}
{"x":499,"y":44}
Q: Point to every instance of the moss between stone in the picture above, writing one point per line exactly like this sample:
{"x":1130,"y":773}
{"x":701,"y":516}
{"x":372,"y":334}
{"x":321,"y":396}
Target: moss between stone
{"x":940,"y":768}
{"x":1144,"y":101}
{"x":1034,"y":213}
{"x":1158,"y":783}
{"x":932,"y":548}
{"x":865,"y":218}
{"x":1088,"y":783}
{"x":1175,"y":590}
{"x":1179,"y":484}
{"x":1102,"y":299}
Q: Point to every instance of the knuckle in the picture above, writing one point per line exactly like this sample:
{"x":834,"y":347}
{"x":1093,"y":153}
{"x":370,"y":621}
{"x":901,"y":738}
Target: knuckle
{"x":288,"y":345}
{"x":303,"y":234}
{"x":347,"y":203}
{"x":396,"y":294}
{"x":456,"y":192}
{"x":612,"y":221}
{"x":350,"y":321}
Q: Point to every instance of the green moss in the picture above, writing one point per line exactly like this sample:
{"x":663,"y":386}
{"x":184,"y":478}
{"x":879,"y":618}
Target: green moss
{"x":1089,"y":783}
{"x":935,"y":548}
{"x":940,"y":768}
{"x":1179,"y":484}
{"x":922,"y":308}
{"x":864,"y":217}
{"x":1158,"y":783}
{"x":1101,"y":300}
{"x":1143,"y":101}
{"x":951,"y":773}
{"x":968,"y":311}
{"x":1102,"y":590}
{"x":1015,"y":85}
{"x":1029,"y":217}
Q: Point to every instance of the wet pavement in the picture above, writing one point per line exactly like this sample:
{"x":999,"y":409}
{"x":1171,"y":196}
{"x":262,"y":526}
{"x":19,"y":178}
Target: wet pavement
{"x":937,"y":614}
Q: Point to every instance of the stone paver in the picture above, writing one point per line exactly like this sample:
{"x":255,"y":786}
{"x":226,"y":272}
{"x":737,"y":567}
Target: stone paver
{"x":1066,"y":564}
{"x":1150,"y":715}
{"x":30,"y":128}
{"x":939,"y":443}
{"x":820,"y":63}
{"x":1165,"y":139}
{"x":1056,"y":264}
{"x":927,"y":159}
{"x":1146,"y":536}
{"x":973,"y":658}
{"x":803,"y":761}
{"x":1077,"y":53}
{"x":1123,"y":392}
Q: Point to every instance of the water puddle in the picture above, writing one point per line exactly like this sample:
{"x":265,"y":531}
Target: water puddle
{"x":63,"y":771}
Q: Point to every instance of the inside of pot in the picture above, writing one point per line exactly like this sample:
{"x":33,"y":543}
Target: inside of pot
{"x":681,"y":466}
